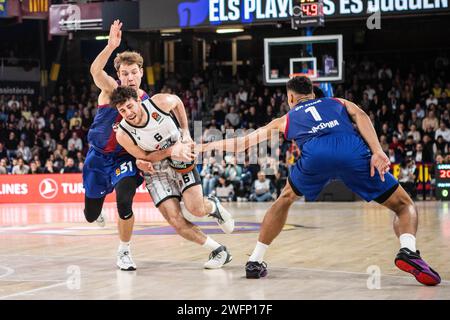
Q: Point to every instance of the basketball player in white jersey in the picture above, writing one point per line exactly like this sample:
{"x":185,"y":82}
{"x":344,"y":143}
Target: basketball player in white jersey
{"x":155,"y":125}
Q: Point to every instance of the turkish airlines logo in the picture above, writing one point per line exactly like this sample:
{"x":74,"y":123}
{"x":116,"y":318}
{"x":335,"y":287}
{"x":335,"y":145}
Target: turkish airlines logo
{"x":48,"y":188}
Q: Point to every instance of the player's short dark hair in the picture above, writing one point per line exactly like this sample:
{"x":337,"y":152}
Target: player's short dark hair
{"x":121,"y":94}
{"x":300,"y":85}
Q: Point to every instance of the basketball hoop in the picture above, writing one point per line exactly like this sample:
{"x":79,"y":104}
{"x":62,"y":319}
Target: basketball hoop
{"x":318,"y":57}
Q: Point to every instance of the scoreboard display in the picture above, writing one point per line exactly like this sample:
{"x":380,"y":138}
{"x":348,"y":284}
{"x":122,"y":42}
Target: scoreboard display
{"x":443,"y":182}
{"x":307,"y":13}
{"x":311,"y":8}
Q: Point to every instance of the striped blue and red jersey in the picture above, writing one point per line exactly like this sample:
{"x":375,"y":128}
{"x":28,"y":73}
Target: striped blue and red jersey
{"x":316,"y":118}
{"x":101,"y":134}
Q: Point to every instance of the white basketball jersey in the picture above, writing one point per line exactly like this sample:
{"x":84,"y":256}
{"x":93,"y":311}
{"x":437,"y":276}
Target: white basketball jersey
{"x":160,"y":131}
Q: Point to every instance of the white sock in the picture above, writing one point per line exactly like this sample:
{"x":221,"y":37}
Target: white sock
{"x":407,"y":240}
{"x":213,"y":205}
{"x":210,"y":244}
{"x":124,"y":246}
{"x":258,"y":253}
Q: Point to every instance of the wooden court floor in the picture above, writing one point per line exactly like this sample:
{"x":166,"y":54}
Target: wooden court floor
{"x":326,"y":251}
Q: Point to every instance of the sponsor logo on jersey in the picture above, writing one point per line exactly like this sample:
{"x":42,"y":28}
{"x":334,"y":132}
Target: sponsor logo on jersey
{"x":117,"y":171}
{"x":156,"y":116}
{"x":324,"y":125}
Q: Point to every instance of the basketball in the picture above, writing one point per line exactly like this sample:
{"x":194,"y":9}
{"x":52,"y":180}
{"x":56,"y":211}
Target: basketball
{"x":181,"y":167}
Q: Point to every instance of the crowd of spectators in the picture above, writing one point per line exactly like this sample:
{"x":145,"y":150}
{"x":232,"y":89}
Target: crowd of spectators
{"x":409,"y":108}
{"x":40,"y":136}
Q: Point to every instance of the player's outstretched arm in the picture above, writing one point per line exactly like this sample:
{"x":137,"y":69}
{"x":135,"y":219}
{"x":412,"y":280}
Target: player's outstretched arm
{"x":102,"y":80}
{"x":241,"y":144}
{"x":379,"y":159}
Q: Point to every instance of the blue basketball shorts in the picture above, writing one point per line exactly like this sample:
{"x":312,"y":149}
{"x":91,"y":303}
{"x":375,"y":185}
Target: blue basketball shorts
{"x":345,"y":157}
{"x":101,"y":172}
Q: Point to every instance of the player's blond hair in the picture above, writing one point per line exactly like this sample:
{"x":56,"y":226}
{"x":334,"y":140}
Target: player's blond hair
{"x":128,"y":58}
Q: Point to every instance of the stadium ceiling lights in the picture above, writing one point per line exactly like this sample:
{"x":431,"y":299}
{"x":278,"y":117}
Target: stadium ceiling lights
{"x":101,"y":37}
{"x":170,"y":32}
{"x":174,"y":30}
{"x":230,"y":30}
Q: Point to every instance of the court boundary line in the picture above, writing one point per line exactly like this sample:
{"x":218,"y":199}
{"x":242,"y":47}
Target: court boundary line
{"x":9,"y":271}
{"x":28,"y":292}
{"x":196,"y":263}
{"x":30,"y":280}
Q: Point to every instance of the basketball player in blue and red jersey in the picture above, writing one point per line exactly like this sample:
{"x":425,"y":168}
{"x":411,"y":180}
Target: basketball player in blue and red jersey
{"x":108,"y":166}
{"x":332,"y":149}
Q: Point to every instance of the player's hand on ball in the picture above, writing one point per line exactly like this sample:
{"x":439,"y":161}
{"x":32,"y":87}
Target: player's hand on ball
{"x":183,"y":151}
{"x":145,"y":166}
{"x":381,"y":162}
{"x":115,"y":34}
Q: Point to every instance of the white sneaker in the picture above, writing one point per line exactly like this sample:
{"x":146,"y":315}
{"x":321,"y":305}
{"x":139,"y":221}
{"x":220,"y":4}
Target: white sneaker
{"x":101,"y":220}
{"x":224,"y":218}
{"x":125,"y":262}
{"x":218,"y":258}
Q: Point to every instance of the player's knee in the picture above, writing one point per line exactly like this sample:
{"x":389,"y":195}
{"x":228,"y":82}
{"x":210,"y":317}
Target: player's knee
{"x":198,"y":211}
{"x":409,"y":205}
{"x":405,"y":204}
{"x":125,"y":190}
{"x":91,"y":216}
{"x":125,"y":210}
{"x":176,"y":222}
{"x":92,"y":208}
{"x":288,"y":195}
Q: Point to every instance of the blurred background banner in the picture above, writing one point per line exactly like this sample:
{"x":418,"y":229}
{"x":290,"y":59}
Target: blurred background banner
{"x":35,"y":9}
{"x":72,"y":17}
{"x":51,"y":188}
{"x":204,"y":13}
{"x":3,"y":9}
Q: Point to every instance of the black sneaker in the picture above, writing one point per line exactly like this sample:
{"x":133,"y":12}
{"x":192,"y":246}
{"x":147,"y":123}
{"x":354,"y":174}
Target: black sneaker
{"x":255,"y":270}
{"x":411,"y":262}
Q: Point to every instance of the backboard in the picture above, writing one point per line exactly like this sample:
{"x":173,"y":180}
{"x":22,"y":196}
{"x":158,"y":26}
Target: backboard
{"x":320,"y":57}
